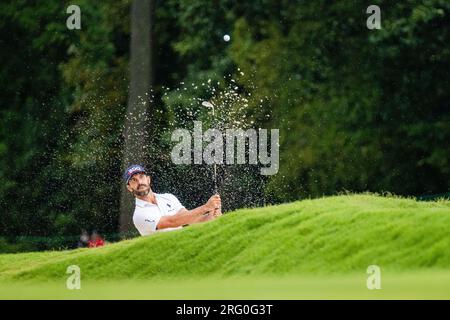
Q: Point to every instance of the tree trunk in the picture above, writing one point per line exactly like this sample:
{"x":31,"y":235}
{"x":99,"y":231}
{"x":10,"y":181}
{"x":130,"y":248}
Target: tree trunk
{"x":135,"y":148}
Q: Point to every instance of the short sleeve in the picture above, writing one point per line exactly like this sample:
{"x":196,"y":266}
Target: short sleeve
{"x":175,"y":202}
{"x":146,"y":222}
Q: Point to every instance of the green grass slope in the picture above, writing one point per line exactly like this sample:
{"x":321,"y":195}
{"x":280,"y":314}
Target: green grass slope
{"x":324,"y":237}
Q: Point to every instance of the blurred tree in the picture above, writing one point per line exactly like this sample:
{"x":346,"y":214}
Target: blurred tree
{"x":31,"y":96}
{"x":136,"y":133}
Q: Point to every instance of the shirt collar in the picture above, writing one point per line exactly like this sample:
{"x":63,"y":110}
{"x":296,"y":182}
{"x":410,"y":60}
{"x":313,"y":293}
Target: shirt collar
{"x":143,"y":204}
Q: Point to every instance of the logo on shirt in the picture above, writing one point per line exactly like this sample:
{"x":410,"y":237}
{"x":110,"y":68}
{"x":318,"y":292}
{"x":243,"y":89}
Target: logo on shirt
{"x":151,"y":221}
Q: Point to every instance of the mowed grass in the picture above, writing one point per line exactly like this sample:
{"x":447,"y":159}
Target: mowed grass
{"x":298,"y":248}
{"x":412,"y":285}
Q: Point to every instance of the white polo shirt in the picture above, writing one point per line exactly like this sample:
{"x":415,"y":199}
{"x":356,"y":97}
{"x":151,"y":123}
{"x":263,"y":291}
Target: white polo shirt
{"x":147,"y":215}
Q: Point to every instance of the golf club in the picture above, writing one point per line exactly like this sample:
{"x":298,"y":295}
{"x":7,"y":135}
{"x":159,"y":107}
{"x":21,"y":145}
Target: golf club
{"x":210,"y":105}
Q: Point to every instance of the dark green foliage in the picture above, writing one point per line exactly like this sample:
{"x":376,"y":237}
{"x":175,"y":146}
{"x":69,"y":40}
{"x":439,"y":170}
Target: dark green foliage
{"x":357,"y":109}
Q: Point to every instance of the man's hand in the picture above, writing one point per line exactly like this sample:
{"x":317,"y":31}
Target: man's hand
{"x":214,"y":203}
{"x":217,"y":213}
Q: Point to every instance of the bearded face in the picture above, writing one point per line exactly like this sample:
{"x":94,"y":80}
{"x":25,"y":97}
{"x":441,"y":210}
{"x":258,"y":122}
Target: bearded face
{"x":142,"y":190}
{"x":139,"y":185}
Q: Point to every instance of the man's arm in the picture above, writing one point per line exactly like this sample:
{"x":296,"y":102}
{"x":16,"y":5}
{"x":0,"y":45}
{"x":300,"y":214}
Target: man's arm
{"x":181,"y":218}
{"x":196,"y":215}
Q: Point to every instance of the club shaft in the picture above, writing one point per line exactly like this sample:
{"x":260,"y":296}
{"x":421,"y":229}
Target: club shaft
{"x":215,"y":179}
{"x":215,"y":165}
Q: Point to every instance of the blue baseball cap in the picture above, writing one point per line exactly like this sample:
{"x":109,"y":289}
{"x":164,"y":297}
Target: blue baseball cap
{"x":131,"y":170}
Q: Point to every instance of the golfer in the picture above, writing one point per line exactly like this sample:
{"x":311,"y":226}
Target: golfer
{"x":163,"y":212}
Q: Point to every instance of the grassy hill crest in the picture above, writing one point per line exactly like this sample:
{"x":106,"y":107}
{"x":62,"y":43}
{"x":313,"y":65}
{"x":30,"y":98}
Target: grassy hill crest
{"x":333,"y":235}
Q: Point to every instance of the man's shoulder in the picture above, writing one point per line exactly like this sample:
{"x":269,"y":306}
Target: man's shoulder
{"x":171,"y":200}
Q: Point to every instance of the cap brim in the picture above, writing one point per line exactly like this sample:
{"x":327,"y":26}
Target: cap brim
{"x":128,"y":180}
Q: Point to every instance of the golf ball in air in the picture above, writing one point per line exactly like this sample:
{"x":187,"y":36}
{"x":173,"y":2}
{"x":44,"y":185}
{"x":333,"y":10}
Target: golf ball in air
{"x":226,"y":38}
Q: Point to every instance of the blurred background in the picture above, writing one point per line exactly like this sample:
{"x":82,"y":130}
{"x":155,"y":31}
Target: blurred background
{"x":358,"y":109}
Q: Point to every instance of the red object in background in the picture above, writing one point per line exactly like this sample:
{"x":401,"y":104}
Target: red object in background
{"x":96,"y":241}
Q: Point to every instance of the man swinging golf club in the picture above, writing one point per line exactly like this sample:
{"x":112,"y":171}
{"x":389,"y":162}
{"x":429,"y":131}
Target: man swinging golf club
{"x":163,"y":212}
